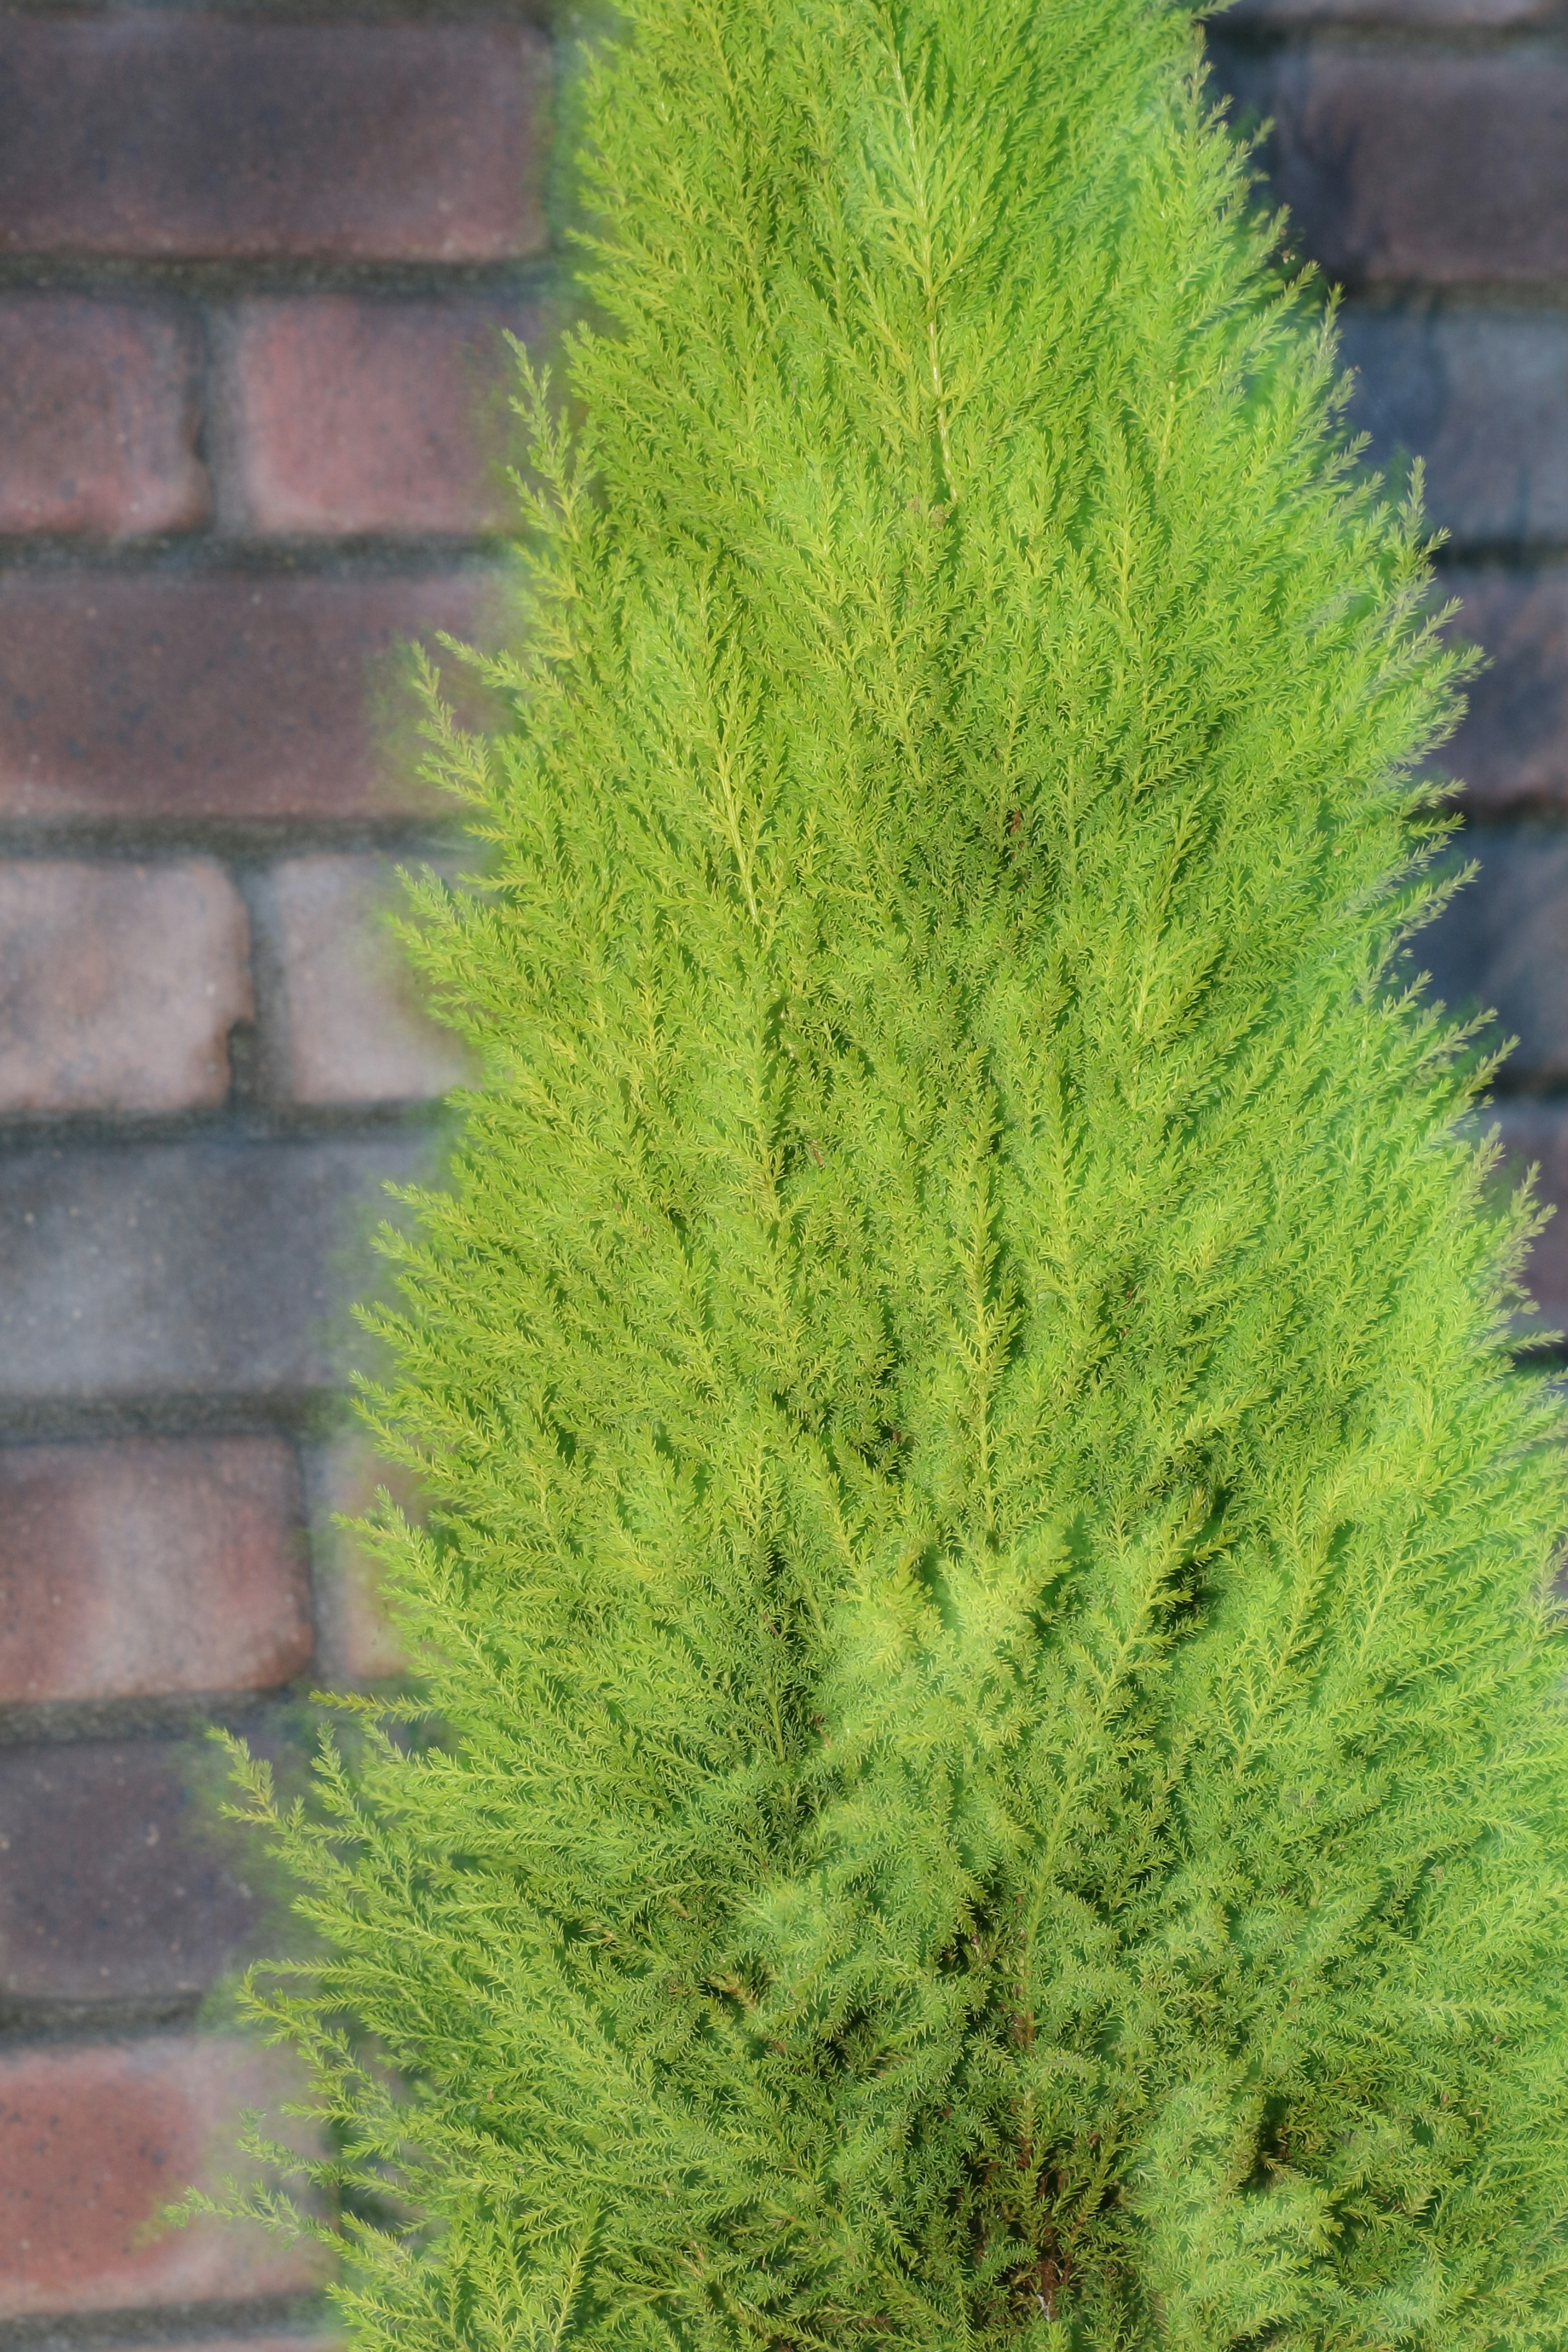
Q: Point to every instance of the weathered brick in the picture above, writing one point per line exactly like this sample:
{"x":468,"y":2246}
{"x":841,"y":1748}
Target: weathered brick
{"x":1512,"y":749}
{"x":119,"y":984}
{"x":356,"y":1641}
{"x":269,"y":2343}
{"x":223,"y":696}
{"x":138,"y":1566}
{"x":349,"y":1026}
{"x":218,"y":1266}
{"x":1502,"y":944}
{"x":118,"y":1880}
{"x":356,"y":416}
{"x":163,"y":132}
{"x":1482,"y":395}
{"x":94,"y":2142}
{"x":1410,"y":163}
{"x":98,"y":417}
{"x":290,"y":2342}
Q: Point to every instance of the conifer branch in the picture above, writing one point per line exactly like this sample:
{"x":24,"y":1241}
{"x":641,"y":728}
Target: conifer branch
{"x":990,"y":1767}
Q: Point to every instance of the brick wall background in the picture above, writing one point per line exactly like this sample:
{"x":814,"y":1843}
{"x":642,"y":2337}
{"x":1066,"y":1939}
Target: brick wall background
{"x":253,"y":261}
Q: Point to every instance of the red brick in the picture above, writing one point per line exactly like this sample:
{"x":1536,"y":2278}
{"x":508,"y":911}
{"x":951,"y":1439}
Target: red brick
{"x":1512,"y":749}
{"x":98,"y":417}
{"x":197,"y":696}
{"x":357,"y":1642}
{"x":119,"y":984}
{"x":140,"y":1566}
{"x":349,"y":1026}
{"x":120,"y":1880}
{"x":162,"y":132}
{"x":1408,"y":163}
{"x":350,"y":415}
{"x":94,"y":2142}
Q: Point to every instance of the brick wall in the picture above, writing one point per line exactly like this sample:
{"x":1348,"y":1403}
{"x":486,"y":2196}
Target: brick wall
{"x":1422,"y":146}
{"x":254,"y":263}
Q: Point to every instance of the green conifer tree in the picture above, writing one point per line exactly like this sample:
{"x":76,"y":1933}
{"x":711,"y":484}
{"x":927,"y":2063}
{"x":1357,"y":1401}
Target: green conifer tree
{"x":1003,"y":1775}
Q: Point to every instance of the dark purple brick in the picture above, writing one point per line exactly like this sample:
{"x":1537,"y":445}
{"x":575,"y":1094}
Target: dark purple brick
{"x":172,"y":133}
{"x":1502,"y":944}
{"x":1408,"y":15}
{"x":120,"y":1880}
{"x":1402,"y":164}
{"x":186,"y":1269}
{"x":1537,"y":1133}
{"x":1480,"y":393}
{"x":1512,"y":749}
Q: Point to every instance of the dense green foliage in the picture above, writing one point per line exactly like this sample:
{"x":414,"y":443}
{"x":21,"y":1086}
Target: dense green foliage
{"x":1001,"y":1778}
